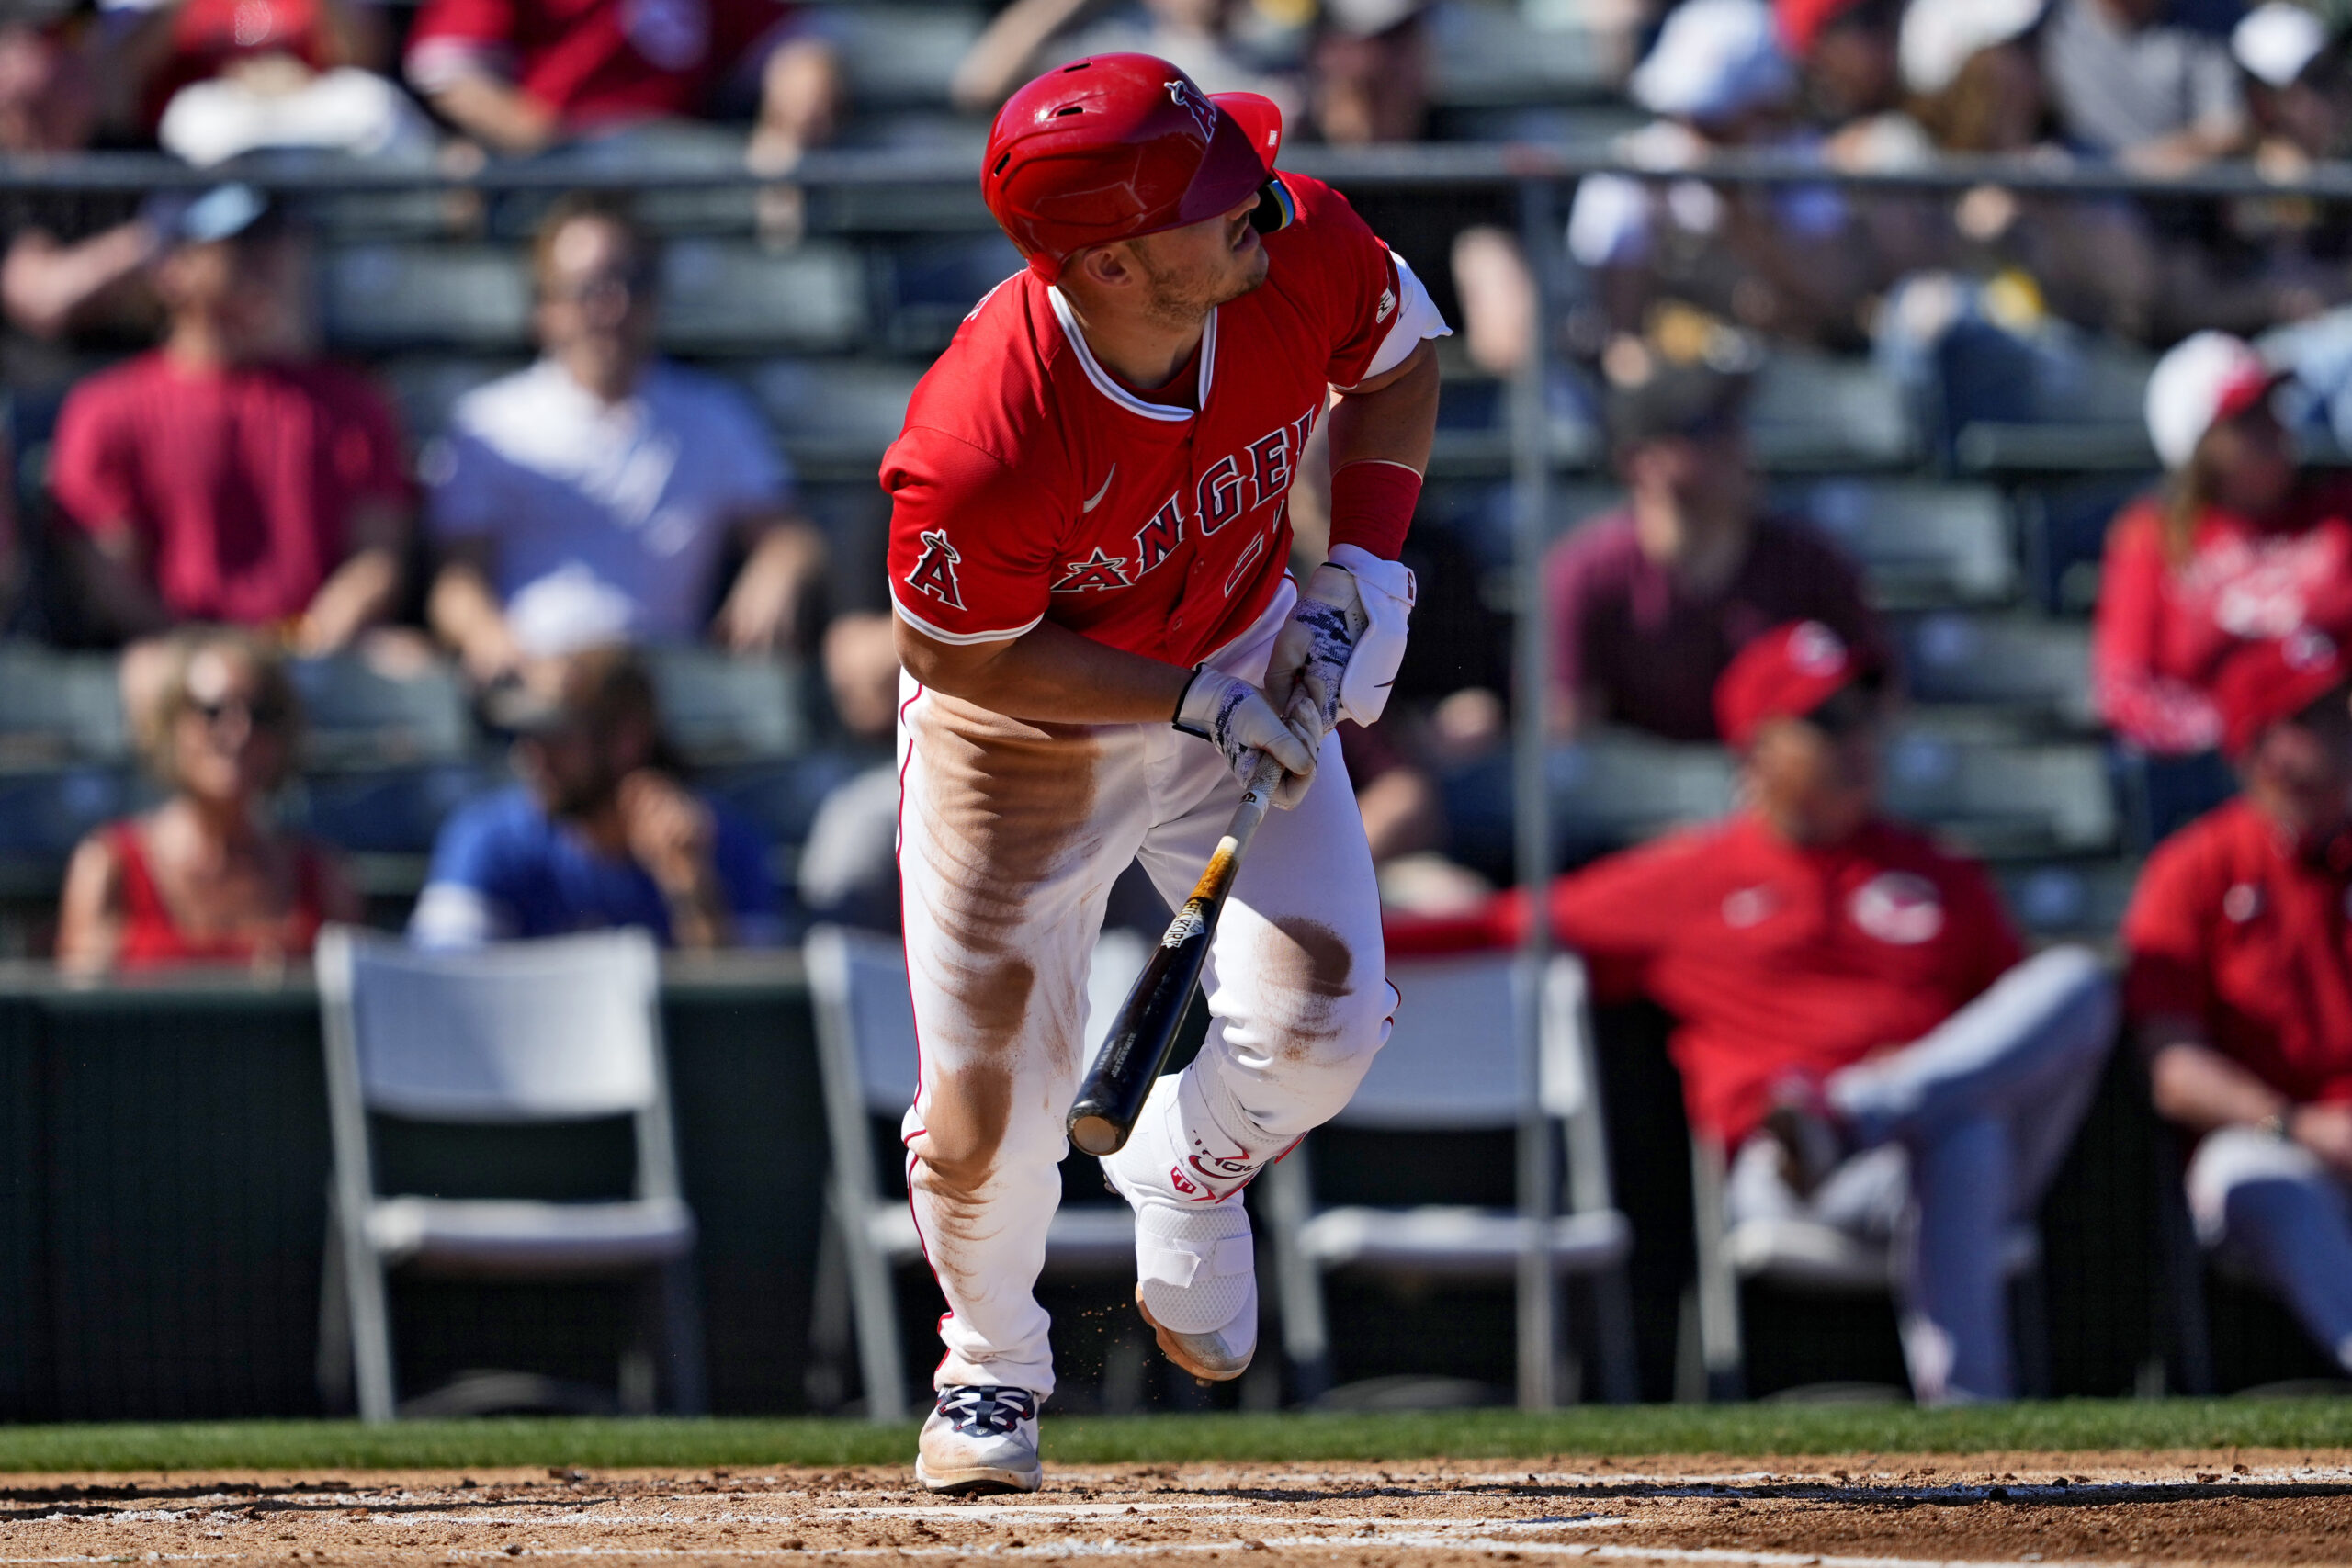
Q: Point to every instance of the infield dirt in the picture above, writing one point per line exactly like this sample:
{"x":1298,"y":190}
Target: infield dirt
{"x":2190,"y":1507}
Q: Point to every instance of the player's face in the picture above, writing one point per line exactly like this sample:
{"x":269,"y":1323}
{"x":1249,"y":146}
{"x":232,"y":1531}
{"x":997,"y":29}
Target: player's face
{"x":1189,"y":271}
{"x":2301,"y":774}
{"x":1817,"y":778}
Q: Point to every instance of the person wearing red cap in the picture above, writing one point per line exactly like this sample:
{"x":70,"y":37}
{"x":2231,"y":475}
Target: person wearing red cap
{"x":1088,"y":541}
{"x":2242,"y":547}
{"x":1854,"y":1019}
{"x":2238,"y":986}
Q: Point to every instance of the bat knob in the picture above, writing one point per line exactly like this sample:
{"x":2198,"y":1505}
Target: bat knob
{"x":1097,"y":1134}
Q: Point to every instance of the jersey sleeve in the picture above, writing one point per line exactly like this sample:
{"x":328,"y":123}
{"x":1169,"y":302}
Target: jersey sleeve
{"x":2165,"y":968}
{"x":453,"y":39}
{"x":971,"y":541}
{"x":2159,"y":712}
{"x":1628,"y":907}
{"x":1375,"y":310}
{"x":93,"y":469}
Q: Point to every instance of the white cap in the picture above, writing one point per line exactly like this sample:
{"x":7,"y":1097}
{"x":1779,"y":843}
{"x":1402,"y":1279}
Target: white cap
{"x":1713,"y":60}
{"x":1942,"y":36}
{"x":2276,"y":42}
{"x":569,"y":610}
{"x":2205,"y":379}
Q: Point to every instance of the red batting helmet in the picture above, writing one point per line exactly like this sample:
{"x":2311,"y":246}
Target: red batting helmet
{"x":1117,"y":145}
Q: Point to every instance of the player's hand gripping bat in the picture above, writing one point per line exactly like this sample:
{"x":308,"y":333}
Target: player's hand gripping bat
{"x":1133,"y":1053}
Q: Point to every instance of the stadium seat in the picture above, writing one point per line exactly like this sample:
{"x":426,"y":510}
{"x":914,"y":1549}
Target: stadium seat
{"x":1452,"y":1062}
{"x":59,"y":707}
{"x":357,"y":717}
{"x":727,"y":297}
{"x":719,"y":709}
{"x":2034,"y":669}
{"x":934,"y":282}
{"x":866,"y":1057}
{"x":2076,"y":900}
{"x":902,"y":54}
{"x":1815,"y":412}
{"x":1482,"y":53}
{"x":385,"y":810}
{"x":44,"y":814}
{"x":1920,"y":543}
{"x":2087,"y":415}
{"x":2004,"y":801}
{"x":377,"y":297}
{"x":781,"y":797}
{"x":1615,"y":787}
{"x":834,"y":416}
{"x":425,"y":387}
{"x":567,"y":1030}
{"x":2063,"y":529}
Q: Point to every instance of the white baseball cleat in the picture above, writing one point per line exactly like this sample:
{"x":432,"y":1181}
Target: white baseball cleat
{"x":978,"y":1439}
{"x":1197,"y":1276}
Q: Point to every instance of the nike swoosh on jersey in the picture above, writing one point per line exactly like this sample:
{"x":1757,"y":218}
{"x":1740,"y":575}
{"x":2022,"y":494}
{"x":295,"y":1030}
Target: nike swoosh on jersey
{"x":1096,"y":499}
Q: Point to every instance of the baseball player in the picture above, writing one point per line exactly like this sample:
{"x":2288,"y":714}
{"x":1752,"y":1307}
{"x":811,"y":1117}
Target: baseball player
{"x":1087,"y":557}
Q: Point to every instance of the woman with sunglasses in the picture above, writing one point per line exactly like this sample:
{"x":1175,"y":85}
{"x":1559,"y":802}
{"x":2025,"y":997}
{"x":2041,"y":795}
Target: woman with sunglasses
{"x":206,"y":877}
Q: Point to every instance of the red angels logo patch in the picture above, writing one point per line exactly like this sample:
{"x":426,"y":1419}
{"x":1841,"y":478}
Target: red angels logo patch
{"x":1188,"y":98}
{"x":934,"y":571}
{"x":1096,"y":571}
{"x":1898,"y":908}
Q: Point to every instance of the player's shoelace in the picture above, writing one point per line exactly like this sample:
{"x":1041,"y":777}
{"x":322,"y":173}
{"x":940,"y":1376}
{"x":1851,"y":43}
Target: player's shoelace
{"x":986,"y":1411}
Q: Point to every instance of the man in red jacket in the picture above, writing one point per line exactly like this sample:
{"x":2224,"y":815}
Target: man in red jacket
{"x":2239,"y":988}
{"x":1856,"y":1022}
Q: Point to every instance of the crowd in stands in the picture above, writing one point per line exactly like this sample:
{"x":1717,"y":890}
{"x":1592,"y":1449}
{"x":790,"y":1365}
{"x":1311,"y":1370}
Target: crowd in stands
{"x":1863,"y":1028}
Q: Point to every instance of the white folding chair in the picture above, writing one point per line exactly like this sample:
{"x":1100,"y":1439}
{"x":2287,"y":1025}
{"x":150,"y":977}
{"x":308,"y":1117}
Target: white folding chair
{"x":866,"y":1054}
{"x":1452,"y":1064}
{"x":1809,"y":1257}
{"x":558,"y":1031}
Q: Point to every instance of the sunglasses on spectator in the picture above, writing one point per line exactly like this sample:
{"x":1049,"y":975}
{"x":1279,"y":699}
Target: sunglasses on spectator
{"x":620,"y":285}
{"x":261,"y":713}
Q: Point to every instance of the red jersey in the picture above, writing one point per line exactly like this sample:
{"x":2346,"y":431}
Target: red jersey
{"x":1029,"y":484}
{"x":2235,"y":929}
{"x":2163,"y":630}
{"x":595,"y":62}
{"x":1781,"y":960}
{"x":240,"y":483}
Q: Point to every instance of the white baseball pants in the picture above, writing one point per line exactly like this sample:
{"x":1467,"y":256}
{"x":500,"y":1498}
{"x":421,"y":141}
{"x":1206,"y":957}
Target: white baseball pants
{"x":1011,"y":834}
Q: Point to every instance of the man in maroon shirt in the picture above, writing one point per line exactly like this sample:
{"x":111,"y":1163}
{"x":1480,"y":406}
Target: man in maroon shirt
{"x":1649,"y":603}
{"x":224,"y":476}
{"x":2240,"y":983}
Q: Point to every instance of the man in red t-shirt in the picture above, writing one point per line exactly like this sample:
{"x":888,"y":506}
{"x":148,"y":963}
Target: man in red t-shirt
{"x":2239,"y":988}
{"x":520,"y":76}
{"x":219,"y":478}
{"x":1087,"y":544}
{"x":1854,"y":988}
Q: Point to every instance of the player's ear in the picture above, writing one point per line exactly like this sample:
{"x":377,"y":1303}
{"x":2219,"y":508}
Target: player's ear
{"x":1105,"y":266}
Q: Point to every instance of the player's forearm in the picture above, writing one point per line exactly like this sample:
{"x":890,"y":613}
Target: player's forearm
{"x":2197,"y":1086}
{"x":490,"y":111}
{"x":1049,"y":674}
{"x":363,"y":591}
{"x":45,"y":284}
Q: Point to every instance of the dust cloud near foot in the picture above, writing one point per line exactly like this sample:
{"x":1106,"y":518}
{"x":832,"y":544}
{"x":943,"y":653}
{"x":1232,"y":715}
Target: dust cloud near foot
{"x":1858,"y":1511}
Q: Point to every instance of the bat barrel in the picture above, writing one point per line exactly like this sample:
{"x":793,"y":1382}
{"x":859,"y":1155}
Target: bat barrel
{"x":1111,"y":1100}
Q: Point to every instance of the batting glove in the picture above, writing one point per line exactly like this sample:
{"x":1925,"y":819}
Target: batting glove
{"x":1338,"y":653}
{"x":1234,"y":716}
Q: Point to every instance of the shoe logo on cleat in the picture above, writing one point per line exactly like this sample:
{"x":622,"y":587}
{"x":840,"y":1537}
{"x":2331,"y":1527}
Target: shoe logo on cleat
{"x":986,"y":1410}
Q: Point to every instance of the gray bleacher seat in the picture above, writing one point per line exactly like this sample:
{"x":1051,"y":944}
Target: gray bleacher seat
{"x":1817,"y":410}
{"x":1920,"y":543}
{"x":392,"y":811}
{"x":834,"y":413}
{"x":2062,"y":531}
{"x":2081,"y":900}
{"x":358,"y":717}
{"x":391,"y":295}
{"x":736,"y":296}
{"x":2087,"y":414}
{"x":425,"y":388}
{"x":59,"y":707}
{"x":2009,"y":661}
{"x":898,"y":54}
{"x":1489,"y":52}
{"x":1617,"y":787}
{"x":44,"y":814}
{"x":719,"y":709}
{"x":2002,"y":800}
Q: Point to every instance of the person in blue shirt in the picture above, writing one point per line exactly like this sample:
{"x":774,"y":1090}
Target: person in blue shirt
{"x":599,"y":834}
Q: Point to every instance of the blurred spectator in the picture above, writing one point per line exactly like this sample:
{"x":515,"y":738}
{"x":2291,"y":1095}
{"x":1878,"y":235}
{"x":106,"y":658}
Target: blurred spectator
{"x":1772,"y":258}
{"x":1226,"y":46}
{"x":2131,"y":82}
{"x":1368,"y":73}
{"x":1650,"y":603}
{"x":71,"y":255}
{"x":606,"y":473}
{"x":227,"y":475}
{"x":601,"y":833}
{"x":1845,"y":51}
{"x":849,"y":867}
{"x":205,"y":877}
{"x":216,"y":78}
{"x":520,"y":76}
{"x":2295,"y":88}
{"x":2239,"y":986}
{"x":2241,"y":547}
{"x":1855,"y":1024}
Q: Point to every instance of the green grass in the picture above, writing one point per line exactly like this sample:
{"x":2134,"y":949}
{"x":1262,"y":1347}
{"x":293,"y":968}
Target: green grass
{"x":2076,"y":1425}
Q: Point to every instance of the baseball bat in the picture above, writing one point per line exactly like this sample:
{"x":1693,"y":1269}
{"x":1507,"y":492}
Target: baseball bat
{"x":1104,"y":1112}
